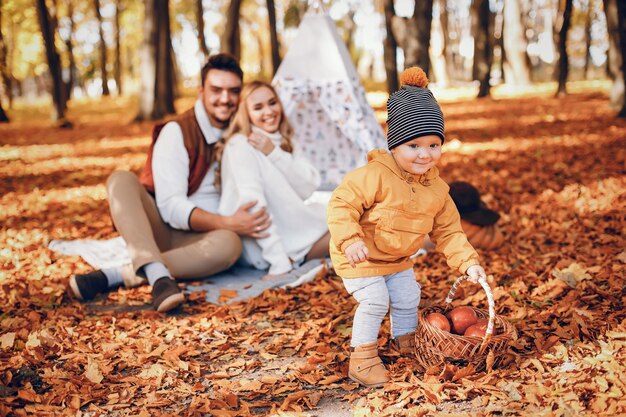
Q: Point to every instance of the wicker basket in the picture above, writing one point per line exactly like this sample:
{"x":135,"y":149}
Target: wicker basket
{"x":435,"y":347}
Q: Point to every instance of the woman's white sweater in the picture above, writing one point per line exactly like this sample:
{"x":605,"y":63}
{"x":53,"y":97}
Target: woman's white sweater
{"x":280,"y":181}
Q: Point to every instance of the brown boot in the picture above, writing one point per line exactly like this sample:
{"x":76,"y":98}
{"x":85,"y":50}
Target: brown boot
{"x":366,"y":368}
{"x":406,"y":344}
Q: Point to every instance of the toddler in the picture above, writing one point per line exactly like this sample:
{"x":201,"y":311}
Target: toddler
{"x":378,"y":217}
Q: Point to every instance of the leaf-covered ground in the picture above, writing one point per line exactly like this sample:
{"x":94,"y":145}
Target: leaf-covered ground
{"x":554,"y":168}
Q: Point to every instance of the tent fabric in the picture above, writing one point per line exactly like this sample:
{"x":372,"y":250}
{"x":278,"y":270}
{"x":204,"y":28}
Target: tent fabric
{"x":325,"y":102}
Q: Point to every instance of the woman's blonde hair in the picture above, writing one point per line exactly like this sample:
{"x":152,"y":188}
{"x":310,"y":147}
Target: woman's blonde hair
{"x":240,"y":123}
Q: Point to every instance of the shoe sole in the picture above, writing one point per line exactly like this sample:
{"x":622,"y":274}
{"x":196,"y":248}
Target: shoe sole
{"x":74,"y":287}
{"x":377,"y":385}
{"x":171,"y":302}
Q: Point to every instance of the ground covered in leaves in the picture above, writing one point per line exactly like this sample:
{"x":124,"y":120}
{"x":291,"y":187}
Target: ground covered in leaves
{"x":555,"y":168}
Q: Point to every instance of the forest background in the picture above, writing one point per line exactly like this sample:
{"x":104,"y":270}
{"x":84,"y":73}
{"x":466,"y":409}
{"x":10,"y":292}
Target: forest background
{"x":153,"y":50}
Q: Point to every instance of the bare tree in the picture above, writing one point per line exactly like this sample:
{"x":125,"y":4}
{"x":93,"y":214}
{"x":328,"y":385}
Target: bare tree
{"x":390,"y":48}
{"x":514,"y":41}
{"x":147,"y":57}
{"x":54,"y":64}
{"x":103,"y":51}
{"x":621,"y":18}
{"x":69,"y":45}
{"x":165,"y":74}
{"x":200,"y":23}
{"x":561,"y":28}
{"x":3,"y":69}
{"x":482,"y":28}
{"x":157,"y":88}
{"x":413,"y":35}
{"x":614,"y":61}
{"x":588,"y":20}
{"x":117,"y":69}
{"x":271,"y":12}
{"x":231,"y":39}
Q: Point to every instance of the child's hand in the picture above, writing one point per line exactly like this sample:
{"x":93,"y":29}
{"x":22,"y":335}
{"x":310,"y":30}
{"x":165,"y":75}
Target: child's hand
{"x":356,"y":253}
{"x":475,"y":272}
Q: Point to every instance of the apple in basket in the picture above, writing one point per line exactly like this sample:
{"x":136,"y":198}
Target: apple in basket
{"x":479,"y":329}
{"x":439,"y":321}
{"x":462,"y":318}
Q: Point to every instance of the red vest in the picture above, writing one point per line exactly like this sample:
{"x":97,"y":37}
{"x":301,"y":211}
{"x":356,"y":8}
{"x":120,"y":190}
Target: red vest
{"x":201,"y":154}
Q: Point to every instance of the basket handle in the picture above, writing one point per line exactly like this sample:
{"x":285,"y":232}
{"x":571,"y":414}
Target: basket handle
{"x":492,"y":308}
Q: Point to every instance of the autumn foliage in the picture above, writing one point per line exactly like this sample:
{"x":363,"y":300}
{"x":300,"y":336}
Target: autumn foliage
{"x":555,"y":169}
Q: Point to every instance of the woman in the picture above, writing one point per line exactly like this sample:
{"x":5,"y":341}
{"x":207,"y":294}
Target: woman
{"x":260,"y":163}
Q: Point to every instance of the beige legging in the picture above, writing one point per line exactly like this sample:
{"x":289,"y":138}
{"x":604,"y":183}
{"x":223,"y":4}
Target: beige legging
{"x":187,"y":254}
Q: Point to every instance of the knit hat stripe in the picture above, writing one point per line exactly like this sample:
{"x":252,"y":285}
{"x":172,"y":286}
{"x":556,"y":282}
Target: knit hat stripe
{"x":413,"y":112}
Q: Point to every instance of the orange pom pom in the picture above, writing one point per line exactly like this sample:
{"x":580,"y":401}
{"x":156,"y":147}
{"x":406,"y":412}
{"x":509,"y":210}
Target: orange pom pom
{"x":414,"y":76}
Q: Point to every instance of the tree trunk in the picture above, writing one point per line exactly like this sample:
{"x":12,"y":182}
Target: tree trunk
{"x":390,"y":47}
{"x":438,"y":60}
{"x":54,"y":64}
{"x":73,"y":70}
{"x":514,"y":41}
{"x":3,"y":70}
{"x":200,"y":23}
{"x":147,"y":63}
{"x":482,"y":28}
{"x":588,"y":20}
{"x":103,"y":51}
{"x":231,"y":39}
{"x":117,"y":69}
{"x":614,"y":59}
{"x":271,"y":12}
{"x":423,"y":15}
{"x":164,"y":79}
{"x":621,"y":18}
{"x":561,"y":28}
{"x":413,"y":35}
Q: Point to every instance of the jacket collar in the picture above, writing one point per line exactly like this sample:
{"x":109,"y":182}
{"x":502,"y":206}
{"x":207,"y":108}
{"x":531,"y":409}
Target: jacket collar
{"x":385,"y":158}
{"x":211,"y":134}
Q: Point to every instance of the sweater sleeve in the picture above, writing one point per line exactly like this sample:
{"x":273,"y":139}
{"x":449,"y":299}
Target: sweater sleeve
{"x":356,"y":193}
{"x":241,"y":175}
{"x":449,"y":238}
{"x":299,"y":172}
{"x":170,"y":170}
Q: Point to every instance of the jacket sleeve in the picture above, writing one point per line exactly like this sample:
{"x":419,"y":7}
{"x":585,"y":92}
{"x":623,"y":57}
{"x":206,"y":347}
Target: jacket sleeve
{"x":356,"y":193}
{"x":299,"y":172}
{"x":241,"y":175}
{"x":450,"y":239}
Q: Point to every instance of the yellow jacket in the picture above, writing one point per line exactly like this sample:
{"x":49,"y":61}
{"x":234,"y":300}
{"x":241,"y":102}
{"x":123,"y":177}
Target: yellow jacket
{"x":391,"y":211}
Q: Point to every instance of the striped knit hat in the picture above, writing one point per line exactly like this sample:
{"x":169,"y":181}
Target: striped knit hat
{"x":412,"y":111}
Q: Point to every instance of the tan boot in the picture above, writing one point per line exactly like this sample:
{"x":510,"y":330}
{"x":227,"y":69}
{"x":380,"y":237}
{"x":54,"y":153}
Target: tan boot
{"x":406,"y":344}
{"x":366,"y":368}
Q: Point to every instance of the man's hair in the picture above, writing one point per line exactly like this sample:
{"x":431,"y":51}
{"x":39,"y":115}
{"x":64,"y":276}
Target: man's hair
{"x":222,"y":62}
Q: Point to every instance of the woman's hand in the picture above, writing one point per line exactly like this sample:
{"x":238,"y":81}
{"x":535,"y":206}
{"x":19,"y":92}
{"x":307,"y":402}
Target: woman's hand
{"x":261,"y":142}
{"x":356,"y":253}
{"x":475,"y":272}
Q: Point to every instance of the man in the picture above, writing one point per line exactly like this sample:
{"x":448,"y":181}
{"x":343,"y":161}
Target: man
{"x":168,"y":216}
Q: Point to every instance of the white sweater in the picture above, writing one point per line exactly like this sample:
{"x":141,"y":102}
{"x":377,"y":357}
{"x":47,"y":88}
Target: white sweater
{"x":280,"y":181}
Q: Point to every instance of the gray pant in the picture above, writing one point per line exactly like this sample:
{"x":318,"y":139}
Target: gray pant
{"x":374,"y":295}
{"x":187,"y":254}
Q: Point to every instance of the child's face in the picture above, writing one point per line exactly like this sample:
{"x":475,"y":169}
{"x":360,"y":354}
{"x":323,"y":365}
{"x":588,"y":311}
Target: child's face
{"x":418,"y":155}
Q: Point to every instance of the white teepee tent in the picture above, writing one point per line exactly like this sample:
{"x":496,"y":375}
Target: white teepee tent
{"x":325,"y":101}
